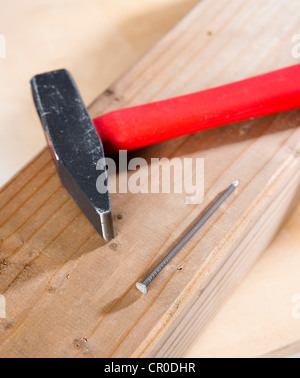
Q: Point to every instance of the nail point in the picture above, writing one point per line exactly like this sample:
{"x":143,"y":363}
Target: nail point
{"x":236,"y":183}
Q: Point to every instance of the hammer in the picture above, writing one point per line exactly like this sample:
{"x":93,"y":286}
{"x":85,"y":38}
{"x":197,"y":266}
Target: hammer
{"x":77,"y":143}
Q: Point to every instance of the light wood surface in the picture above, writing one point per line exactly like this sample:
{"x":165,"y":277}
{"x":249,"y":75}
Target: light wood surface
{"x":35,"y":276}
{"x":258,"y":319}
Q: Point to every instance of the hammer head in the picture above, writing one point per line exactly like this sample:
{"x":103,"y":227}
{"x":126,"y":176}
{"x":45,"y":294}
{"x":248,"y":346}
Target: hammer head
{"x":75,"y":145}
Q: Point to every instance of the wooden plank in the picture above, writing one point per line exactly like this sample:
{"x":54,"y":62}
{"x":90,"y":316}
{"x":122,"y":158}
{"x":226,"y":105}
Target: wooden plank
{"x":125,"y":25}
{"x":259,"y":320}
{"x":71,"y":297}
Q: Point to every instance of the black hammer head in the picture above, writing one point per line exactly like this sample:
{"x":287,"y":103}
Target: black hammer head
{"x":75,"y":145}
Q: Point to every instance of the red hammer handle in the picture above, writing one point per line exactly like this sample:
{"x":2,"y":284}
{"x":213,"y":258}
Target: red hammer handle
{"x":140,"y":126}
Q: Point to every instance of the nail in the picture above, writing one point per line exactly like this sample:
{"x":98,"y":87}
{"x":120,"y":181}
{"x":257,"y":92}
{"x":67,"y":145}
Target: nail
{"x":143,"y":286}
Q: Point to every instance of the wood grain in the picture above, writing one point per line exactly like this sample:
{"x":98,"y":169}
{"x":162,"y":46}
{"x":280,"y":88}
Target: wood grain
{"x":258,"y":321}
{"x":68,"y":293}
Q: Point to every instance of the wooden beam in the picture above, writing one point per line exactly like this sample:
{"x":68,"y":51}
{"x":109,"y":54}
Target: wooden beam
{"x":69,"y":295}
{"x":260,"y":319}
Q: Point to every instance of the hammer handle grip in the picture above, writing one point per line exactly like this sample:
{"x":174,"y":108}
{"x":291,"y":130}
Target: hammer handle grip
{"x":140,"y":126}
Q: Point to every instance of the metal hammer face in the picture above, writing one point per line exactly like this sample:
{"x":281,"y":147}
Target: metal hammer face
{"x":75,"y":145}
